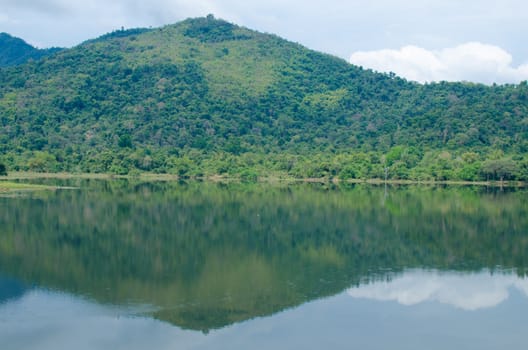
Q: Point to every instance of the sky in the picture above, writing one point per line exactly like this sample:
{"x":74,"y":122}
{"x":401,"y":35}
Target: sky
{"x":421,"y":40}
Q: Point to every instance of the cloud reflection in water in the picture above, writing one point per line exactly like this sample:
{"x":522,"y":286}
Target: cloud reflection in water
{"x":461,"y":290}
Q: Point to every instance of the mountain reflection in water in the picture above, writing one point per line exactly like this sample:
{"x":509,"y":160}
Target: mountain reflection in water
{"x":205,"y":256}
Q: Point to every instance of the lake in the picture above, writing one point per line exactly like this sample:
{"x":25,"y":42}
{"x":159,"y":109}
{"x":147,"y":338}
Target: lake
{"x":165,"y":265}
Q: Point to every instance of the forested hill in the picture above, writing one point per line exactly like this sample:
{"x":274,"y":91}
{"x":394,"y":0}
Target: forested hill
{"x":15,"y":51}
{"x":205,"y":96}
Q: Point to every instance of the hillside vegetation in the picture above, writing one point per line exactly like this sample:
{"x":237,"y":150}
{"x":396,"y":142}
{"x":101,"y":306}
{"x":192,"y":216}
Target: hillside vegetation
{"x":205,"y":97}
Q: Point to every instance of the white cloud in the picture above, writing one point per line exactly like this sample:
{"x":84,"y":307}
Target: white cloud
{"x":473,"y":61}
{"x":464,"y":291}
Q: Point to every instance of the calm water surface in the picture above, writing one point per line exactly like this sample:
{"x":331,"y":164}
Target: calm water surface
{"x":120,"y":265}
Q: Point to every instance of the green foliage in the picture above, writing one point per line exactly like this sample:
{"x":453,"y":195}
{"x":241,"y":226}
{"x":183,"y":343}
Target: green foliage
{"x":248,"y":176}
{"x":349,"y":171}
{"x":122,"y":33}
{"x":125,"y":141}
{"x":500,"y":169}
{"x":42,"y":162}
{"x":3,"y":169}
{"x":394,"y":155}
{"x":218,"y":95}
{"x":210,"y":30}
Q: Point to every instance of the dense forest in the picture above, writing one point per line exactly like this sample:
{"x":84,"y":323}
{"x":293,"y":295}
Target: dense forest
{"x":206,"y":97}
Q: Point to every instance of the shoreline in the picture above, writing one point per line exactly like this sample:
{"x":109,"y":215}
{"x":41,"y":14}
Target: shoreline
{"x":9,"y":187}
{"x":264,"y":179}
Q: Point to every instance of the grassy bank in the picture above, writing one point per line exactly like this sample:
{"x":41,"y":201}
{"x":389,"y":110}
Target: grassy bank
{"x":7,"y":186}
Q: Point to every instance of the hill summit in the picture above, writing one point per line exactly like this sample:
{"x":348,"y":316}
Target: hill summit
{"x":205,"y":96}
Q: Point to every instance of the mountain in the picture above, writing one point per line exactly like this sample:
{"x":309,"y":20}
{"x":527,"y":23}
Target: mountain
{"x":205,"y":96}
{"x":14,"y":51}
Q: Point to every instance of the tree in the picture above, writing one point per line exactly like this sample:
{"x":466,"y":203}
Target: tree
{"x":3,"y":170}
{"x":42,"y":162}
{"x":125,"y":141}
{"x":500,"y":169}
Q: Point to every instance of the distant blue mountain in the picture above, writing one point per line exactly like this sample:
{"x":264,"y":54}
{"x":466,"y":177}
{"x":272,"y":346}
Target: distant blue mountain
{"x":14,"y":51}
